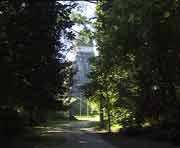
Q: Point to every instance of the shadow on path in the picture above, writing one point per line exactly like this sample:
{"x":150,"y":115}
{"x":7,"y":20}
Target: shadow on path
{"x":80,"y":134}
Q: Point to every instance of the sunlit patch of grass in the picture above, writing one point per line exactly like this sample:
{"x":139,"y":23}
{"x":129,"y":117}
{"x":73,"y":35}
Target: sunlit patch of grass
{"x":116,"y":127}
{"x":146,"y":124}
{"x":88,"y":118}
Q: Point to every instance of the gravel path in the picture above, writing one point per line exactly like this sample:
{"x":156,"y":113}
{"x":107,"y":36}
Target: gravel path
{"x":78,"y":135}
{"x":72,"y":135}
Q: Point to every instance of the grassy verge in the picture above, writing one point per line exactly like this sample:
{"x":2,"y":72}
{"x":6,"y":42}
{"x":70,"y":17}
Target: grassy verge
{"x":88,"y":118}
{"x":116,"y":128}
{"x":39,"y":136}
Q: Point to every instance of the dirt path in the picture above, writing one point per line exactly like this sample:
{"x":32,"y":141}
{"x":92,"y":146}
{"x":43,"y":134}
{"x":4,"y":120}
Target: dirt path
{"x":73,"y":135}
{"x":78,"y":134}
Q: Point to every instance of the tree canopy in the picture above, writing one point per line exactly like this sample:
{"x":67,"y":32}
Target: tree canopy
{"x":139,"y":59}
{"x":34,"y":73}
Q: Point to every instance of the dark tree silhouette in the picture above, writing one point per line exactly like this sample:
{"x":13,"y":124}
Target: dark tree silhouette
{"x":34,"y":72}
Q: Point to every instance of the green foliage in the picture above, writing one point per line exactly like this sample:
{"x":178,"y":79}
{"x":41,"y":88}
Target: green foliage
{"x":139,"y":58}
{"x":11,"y":123}
{"x":124,"y":117}
{"x":85,"y":35}
{"x":34,"y":72}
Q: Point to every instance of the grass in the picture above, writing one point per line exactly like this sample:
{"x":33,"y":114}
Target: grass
{"x":39,"y":135}
{"x":88,"y":118}
{"x":116,"y":127}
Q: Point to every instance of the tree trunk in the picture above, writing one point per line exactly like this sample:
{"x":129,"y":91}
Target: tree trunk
{"x":174,"y":101}
{"x":101,"y":115}
{"x":108,"y":109}
{"x":109,"y":119}
{"x":109,"y":114}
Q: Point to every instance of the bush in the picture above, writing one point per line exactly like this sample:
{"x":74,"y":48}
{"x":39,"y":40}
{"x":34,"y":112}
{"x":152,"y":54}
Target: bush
{"x":11,"y":124}
{"x":125,"y":118}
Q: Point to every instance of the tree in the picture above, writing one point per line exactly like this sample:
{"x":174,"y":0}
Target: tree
{"x":140,"y":38}
{"x":34,"y":71}
{"x":103,"y":89}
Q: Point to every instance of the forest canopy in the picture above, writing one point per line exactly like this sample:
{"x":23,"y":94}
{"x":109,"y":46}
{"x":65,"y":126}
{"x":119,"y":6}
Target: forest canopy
{"x":135,"y":78}
{"x":34,"y":73}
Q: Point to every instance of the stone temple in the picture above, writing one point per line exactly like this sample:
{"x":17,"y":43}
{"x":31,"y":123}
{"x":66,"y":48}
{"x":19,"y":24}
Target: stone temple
{"x":82,"y":69}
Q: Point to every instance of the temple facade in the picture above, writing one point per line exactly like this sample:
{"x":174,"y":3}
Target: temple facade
{"x":81,"y":68}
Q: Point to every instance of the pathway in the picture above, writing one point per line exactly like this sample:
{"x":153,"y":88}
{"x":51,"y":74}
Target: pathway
{"x":74,"y":135}
{"x":77,"y":134}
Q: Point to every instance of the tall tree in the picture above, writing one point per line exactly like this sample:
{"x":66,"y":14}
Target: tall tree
{"x":141,"y":38}
{"x":33,"y":67}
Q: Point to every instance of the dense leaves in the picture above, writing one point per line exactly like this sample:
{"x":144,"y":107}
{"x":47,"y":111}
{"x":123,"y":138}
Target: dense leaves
{"x":34,"y":72}
{"x":139,"y":55}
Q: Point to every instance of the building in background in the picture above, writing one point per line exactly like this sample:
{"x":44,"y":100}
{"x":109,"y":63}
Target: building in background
{"x":82,"y":68}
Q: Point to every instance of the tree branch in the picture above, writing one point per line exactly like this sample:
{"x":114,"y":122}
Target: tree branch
{"x":91,"y":1}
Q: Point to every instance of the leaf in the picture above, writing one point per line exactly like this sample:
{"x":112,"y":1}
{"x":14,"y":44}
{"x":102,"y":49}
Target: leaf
{"x":131,"y":18}
{"x":166,"y":14}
